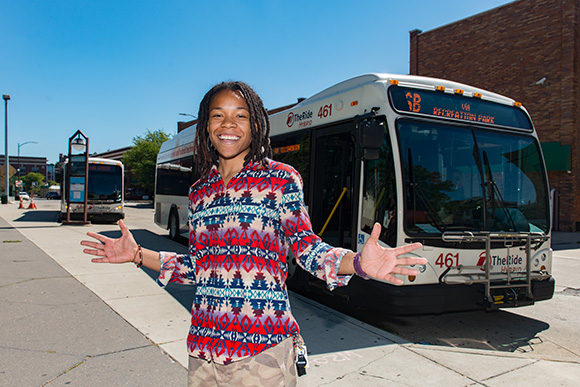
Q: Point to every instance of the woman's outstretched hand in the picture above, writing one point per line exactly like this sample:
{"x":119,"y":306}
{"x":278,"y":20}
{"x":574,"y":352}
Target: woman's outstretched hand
{"x":120,"y":250}
{"x":381,"y":263}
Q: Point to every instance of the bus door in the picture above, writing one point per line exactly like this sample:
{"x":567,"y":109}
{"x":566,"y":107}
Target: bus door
{"x":333,"y":181}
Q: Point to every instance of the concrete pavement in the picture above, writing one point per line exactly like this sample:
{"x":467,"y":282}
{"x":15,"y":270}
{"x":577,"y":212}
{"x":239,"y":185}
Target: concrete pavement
{"x":67,"y":321}
{"x":55,"y":331}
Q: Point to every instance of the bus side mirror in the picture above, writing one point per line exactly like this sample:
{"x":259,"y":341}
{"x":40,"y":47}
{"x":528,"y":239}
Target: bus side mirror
{"x":371,"y":135}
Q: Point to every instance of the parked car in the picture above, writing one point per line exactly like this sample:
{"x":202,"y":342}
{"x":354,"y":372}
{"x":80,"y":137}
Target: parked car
{"x":53,"y":195}
{"x":24,"y":196}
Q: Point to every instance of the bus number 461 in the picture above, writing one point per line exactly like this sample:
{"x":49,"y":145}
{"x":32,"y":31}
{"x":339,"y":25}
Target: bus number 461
{"x":448,"y":260}
{"x":325,"y":111}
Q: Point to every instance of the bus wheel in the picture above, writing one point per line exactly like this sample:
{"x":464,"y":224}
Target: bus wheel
{"x":173,"y":226}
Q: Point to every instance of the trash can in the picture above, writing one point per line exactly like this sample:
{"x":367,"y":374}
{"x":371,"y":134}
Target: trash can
{"x":4,"y":199}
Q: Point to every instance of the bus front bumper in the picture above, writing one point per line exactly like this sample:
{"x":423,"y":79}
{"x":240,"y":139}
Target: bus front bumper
{"x":441,"y":298}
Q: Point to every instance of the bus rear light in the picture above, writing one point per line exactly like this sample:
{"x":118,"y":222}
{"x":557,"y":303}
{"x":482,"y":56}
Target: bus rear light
{"x":459,"y":91}
{"x":394,"y":82}
{"x":354,"y":103}
{"x":477,"y":95}
{"x":440,"y":88}
{"x":517,"y":104}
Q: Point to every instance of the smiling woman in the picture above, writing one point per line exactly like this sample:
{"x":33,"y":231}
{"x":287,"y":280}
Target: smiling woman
{"x":229,"y":131}
{"x":228,"y":109}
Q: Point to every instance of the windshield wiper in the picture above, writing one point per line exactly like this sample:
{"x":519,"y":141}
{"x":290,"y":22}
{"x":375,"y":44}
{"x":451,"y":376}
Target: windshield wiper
{"x":482,"y":176}
{"x":424,"y":199}
{"x":493,"y":188}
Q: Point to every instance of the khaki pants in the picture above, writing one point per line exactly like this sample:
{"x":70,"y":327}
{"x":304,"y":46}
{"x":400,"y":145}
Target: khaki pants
{"x":273,"y":367}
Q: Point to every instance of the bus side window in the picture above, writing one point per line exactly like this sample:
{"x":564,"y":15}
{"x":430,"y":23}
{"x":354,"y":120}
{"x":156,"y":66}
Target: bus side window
{"x":294,"y":150}
{"x":380,"y":194}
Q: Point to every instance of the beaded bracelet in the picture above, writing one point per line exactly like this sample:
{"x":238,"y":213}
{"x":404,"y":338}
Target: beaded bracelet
{"x":140,"y":252}
{"x":357,"y":267}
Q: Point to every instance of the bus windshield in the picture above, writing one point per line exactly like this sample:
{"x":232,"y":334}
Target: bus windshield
{"x":105,"y":183}
{"x":467,"y":179}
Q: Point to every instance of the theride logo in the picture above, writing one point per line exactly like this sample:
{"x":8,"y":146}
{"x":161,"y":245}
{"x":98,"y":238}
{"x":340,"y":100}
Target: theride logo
{"x":481,"y":260}
{"x":304,"y":118}
{"x":290,"y":119}
{"x":495,"y":260}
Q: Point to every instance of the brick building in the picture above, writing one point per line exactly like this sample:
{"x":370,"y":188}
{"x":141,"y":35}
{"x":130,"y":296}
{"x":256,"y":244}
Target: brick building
{"x":528,"y":50}
{"x":28,"y":164}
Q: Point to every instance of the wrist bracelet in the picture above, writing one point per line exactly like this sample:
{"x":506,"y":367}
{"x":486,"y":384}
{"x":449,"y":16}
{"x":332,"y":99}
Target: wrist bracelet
{"x":140,"y":252}
{"x":357,"y":267}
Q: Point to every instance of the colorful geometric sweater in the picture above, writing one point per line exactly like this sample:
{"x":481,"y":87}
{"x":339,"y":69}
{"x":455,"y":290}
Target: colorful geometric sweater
{"x":239,"y":238}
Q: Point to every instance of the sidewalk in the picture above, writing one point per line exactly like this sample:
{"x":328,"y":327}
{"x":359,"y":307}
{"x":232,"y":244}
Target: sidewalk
{"x":66,"y":321}
{"x":55,"y":331}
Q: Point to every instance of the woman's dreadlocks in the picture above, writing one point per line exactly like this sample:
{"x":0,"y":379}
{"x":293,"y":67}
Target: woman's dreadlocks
{"x":205,"y":155}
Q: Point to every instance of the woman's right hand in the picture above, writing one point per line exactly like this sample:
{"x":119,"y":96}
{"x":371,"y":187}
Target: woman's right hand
{"x":120,"y":250}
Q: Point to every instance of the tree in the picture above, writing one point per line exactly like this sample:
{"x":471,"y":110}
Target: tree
{"x":32,"y":180}
{"x":141,"y":159}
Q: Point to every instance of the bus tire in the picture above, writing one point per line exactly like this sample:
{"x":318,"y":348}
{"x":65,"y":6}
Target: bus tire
{"x":173,"y":225}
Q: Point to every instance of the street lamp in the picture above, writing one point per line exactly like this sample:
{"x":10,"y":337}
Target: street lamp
{"x":77,"y":175}
{"x":19,"y":145}
{"x":6,"y":97}
{"x":78,"y":143}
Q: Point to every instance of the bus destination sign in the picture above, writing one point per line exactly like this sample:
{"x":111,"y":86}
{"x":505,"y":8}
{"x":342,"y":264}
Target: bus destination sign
{"x":457,"y":107}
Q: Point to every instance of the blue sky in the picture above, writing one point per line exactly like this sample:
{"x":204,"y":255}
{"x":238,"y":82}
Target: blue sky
{"x":115,"y":69}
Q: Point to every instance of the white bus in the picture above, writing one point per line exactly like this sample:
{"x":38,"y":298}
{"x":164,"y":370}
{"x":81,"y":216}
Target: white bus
{"x":174,"y":176}
{"x":105,"y":194}
{"x":454,"y":167}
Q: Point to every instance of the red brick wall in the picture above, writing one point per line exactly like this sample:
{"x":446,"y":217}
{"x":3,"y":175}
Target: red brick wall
{"x":507,"y":50}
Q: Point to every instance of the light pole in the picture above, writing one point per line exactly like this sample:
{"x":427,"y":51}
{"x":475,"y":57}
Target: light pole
{"x":19,"y":145}
{"x":6,"y":98}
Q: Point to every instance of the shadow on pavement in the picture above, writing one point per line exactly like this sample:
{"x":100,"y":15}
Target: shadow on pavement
{"x":139,"y":204}
{"x":182,"y":293}
{"x":39,"y":216}
{"x":498,"y":330}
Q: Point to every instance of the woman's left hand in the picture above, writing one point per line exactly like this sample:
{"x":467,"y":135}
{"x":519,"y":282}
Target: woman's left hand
{"x":381,"y":263}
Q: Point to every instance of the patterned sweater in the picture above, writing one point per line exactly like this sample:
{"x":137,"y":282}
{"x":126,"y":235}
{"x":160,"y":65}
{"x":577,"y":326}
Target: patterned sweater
{"x":239,"y":238}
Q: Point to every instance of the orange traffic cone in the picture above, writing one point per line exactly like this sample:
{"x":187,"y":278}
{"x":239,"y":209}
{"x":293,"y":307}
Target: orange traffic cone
{"x":21,"y":204}
{"x":32,"y":206}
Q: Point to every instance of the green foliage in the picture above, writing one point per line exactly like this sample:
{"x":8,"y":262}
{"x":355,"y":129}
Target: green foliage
{"x":30,"y":179}
{"x":142,"y":157}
